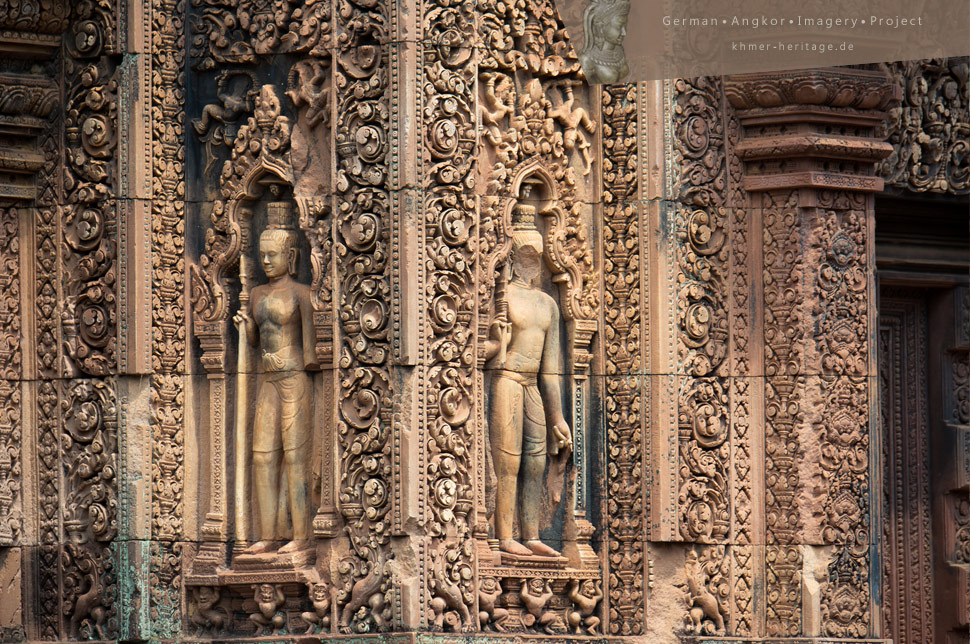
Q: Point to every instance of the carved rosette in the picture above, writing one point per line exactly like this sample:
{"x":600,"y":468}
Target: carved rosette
{"x":90,"y":512}
{"x":89,"y":318}
{"x":701,"y":224}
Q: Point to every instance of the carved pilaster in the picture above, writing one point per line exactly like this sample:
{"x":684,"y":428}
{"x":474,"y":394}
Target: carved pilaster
{"x":810,"y":141}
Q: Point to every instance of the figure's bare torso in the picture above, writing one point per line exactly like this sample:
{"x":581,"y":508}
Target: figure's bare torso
{"x":276,"y":311}
{"x":531,"y":312}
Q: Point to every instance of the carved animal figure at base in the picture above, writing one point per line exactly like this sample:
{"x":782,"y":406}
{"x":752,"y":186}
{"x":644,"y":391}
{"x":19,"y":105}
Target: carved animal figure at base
{"x":703,"y":602}
{"x":586,"y":596}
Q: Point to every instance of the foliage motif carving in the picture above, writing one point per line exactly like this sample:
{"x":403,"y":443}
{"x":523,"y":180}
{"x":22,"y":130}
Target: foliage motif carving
{"x":362,"y":262}
{"x":783,"y":392}
{"x":449,"y":236}
{"x":623,"y":305}
{"x":90,"y":514}
{"x":231,"y":32}
{"x":929,"y":129}
{"x":842,"y":293}
{"x":168,"y":311}
{"x":90,"y":126}
{"x":703,"y":253}
{"x":11,"y":465}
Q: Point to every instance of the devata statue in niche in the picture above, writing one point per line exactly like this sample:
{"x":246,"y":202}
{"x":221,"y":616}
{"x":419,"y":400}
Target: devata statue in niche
{"x":526,"y":419}
{"x":604,"y":27}
{"x":278,"y":319}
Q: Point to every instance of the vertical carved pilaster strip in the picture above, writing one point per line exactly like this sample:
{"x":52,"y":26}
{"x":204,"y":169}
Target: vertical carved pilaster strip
{"x":90,"y":510}
{"x":624,"y":277}
{"x":843,"y":289}
{"x":89,"y":211}
{"x":362,"y":212}
{"x":47,"y":323}
{"x":11,"y":467}
{"x":447,"y":82}
{"x":746,"y":432}
{"x":702,"y":251}
{"x":168,"y":313}
{"x":783,"y":329}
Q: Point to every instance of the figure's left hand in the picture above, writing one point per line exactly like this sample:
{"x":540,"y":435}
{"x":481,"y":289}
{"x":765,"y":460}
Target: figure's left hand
{"x":564,"y":438}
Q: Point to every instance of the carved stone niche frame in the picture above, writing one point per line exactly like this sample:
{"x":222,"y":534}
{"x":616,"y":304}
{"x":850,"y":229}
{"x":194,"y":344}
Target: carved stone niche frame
{"x":564,"y":244}
{"x":260,"y":159}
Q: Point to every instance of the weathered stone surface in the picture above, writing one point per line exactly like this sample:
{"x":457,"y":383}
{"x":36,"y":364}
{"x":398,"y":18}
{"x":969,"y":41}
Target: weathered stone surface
{"x":651,"y":306}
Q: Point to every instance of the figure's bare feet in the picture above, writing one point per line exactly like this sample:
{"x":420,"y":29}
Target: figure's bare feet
{"x":536,"y":547}
{"x":260,"y":547}
{"x":294,"y":546}
{"x":513,"y":547}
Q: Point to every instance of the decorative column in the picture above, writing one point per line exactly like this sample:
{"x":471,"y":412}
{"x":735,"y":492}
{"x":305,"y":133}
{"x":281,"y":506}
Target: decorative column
{"x":809,"y":144}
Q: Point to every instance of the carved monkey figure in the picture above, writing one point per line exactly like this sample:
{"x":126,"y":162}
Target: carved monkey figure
{"x":488,"y":593}
{"x":269,"y":599}
{"x":535,"y":594}
{"x":586,"y":596}
{"x":320,"y":598}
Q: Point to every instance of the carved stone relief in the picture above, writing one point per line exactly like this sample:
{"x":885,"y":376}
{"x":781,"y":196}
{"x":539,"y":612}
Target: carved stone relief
{"x":514,"y":342}
{"x":928,"y":129}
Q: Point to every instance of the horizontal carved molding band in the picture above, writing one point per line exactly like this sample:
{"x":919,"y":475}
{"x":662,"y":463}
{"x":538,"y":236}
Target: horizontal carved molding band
{"x":813,"y":180}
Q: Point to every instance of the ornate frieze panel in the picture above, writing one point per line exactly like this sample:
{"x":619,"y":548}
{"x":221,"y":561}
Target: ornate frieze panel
{"x":929,"y":129}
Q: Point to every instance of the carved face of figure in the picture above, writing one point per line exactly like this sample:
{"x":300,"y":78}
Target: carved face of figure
{"x":614,"y":31}
{"x":274,"y":255}
{"x":536,"y":586}
{"x":319,"y":593}
{"x":526,"y":263}
{"x":266,"y":593}
{"x":489,"y":585}
{"x":589,"y":588}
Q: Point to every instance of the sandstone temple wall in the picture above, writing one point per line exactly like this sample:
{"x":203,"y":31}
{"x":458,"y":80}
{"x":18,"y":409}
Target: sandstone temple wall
{"x":704,"y":303}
